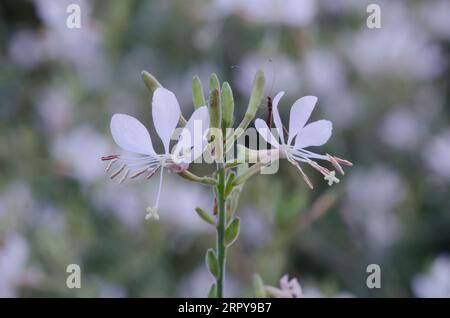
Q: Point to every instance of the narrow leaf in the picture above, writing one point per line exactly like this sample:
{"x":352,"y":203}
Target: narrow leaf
{"x":232,"y":232}
{"x":205,"y":216}
{"x":212,"y":263}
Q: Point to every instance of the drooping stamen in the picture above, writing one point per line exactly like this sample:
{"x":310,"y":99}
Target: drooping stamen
{"x":124,"y":176}
{"x":152,"y":173}
{"x":139,"y":173}
{"x":305,"y":177}
{"x":336,"y":164}
{"x":319,"y":168}
{"x":110,"y":164}
{"x":115,"y":174}
{"x":343,"y":161}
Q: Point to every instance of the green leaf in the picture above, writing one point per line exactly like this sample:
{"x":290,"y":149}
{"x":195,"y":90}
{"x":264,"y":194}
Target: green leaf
{"x":258,"y":286}
{"x":212,"y":263}
{"x":229,"y":185}
{"x":232,"y":231}
{"x":212,"y":291}
{"x":205,"y":216}
{"x":198,"y":97}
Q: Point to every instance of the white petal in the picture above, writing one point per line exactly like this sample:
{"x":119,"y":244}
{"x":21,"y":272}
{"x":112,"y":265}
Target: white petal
{"x":300,"y":113}
{"x":314,"y":134}
{"x":131,"y":135}
{"x":194,"y":133}
{"x":276,"y":115}
{"x":264,"y":131}
{"x":166,"y":114}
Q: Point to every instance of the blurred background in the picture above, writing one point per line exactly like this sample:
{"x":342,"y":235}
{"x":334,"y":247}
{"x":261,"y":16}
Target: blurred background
{"x":386,"y":91}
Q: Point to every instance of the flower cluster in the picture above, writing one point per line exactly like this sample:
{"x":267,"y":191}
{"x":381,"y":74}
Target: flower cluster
{"x":141,"y":159}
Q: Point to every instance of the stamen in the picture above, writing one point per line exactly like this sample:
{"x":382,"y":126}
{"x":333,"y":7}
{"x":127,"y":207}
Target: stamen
{"x":319,"y":168}
{"x":152,"y":173}
{"x":336,"y":164}
{"x":305,"y":177}
{"x":344,"y":162}
{"x":124,"y":176}
{"x":115,"y":174}
{"x":139,"y":173}
{"x":110,"y":164}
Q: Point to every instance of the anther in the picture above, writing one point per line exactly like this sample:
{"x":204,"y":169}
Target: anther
{"x":115,"y":174}
{"x":336,"y":164}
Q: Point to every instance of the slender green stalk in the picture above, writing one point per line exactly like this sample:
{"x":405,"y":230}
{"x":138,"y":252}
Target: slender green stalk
{"x":221,"y":248}
{"x":192,"y":177}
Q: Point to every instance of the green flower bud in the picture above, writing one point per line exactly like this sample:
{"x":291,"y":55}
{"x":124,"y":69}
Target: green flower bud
{"x":215,"y":112}
{"x":198,"y":96}
{"x":150,"y":81}
{"x":227,"y":106}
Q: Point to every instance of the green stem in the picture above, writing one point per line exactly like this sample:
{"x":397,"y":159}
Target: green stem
{"x":221,"y":248}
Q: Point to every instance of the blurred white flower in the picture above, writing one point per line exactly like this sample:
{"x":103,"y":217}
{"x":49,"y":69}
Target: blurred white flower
{"x":110,"y":290}
{"x":294,"y":13}
{"x":281,"y":72}
{"x":78,"y":152}
{"x":53,"y":13}
{"x":436,"y":15}
{"x":436,"y":155}
{"x":288,"y":288}
{"x":24,"y":49}
{"x":314,"y":134}
{"x":400,"y":49}
{"x":126,"y":206}
{"x":132,"y":136}
{"x":325,"y":74}
{"x":324,"y":71}
{"x":16,"y":201}
{"x":82,"y":47}
{"x":257,"y":230}
{"x":55,"y":107}
{"x":402,"y":129}
{"x":373,"y":194}
{"x":181,"y":212}
{"x":13,"y":258}
{"x":435,"y":283}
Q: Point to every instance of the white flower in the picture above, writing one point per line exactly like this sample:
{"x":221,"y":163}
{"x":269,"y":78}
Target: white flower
{"x":314,"y":134}
{"x":288,"y":288}
{"x":132,"y":136}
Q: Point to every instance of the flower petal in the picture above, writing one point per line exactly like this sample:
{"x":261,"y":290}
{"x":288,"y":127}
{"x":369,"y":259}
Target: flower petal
{"x":300,"y":113}
{"x":314,"y":134}
{"x":166,"y":114}
{"x":276,"y":115}
{"x":131,"y":135}
{"x":264,"y":131}
{"x":193,"y":134}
